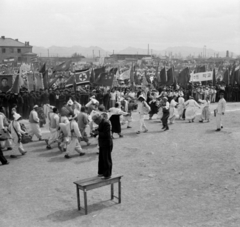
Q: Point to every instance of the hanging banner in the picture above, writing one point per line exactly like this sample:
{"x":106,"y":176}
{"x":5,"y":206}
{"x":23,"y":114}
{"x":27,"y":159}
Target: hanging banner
{"x":6,"y":82}
{"x":204,"y":76}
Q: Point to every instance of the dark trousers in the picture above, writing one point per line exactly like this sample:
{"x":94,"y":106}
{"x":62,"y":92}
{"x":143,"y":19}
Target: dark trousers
{"x":165,"y":119}
{"x":105,"y":161}
{"x":3,"y":160}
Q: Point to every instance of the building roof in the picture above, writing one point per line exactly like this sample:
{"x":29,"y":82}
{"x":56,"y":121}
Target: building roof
{"x":9,"y":42}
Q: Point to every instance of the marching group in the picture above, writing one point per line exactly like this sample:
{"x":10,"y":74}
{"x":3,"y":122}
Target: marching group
{"x":68,"y":124}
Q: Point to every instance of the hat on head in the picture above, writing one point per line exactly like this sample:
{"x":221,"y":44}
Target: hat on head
{"x":165,"y":98}
{"x":36,"y":106}
{"x":70,"y":102}
{"x":141,"y":96}
{"x":16,"y":116}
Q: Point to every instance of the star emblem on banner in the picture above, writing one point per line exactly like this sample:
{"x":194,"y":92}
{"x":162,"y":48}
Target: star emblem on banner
{"x":83,"y":77}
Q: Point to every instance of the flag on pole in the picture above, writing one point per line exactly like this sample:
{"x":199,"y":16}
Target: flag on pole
{"x":64,"y":66}
{"x":163,"y":76}
{"x":16,"y":85}
{"x":45,"y":78}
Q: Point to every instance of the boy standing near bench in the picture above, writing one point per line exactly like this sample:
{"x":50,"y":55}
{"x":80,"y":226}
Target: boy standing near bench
{"x":105,"y":146}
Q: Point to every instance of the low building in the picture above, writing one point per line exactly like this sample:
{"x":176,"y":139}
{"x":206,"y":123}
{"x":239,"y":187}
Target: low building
{"x":129,"y":56}
{"x":15,"y":51}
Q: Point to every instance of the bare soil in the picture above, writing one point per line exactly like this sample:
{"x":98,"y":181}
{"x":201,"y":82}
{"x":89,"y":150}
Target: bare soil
{"x":187,"y":176}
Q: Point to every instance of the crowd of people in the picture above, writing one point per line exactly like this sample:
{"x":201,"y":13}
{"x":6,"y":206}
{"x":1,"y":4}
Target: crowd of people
{"x":67,"y":114}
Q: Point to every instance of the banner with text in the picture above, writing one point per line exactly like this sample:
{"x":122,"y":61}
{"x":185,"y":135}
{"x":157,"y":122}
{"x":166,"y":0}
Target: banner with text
{"x":204,"y":76}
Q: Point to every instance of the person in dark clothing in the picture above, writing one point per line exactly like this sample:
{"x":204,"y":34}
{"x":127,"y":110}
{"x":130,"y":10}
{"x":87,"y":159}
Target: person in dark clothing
{"x":3,"y":160}
{"x":52,"y":98}
{"x":106,"y":100}
{"x":26,"y":109}
{"x":105,"y":146}
{"x":165,"y":114}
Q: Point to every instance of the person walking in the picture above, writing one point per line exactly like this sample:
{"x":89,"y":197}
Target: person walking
{"x":53,"y":127}
{"x":34,"y":123}
{"x":17,"y":133}
{"x":220,"y":111}
{"x":82,"y":119}
{"x":75,"y":137}
{"x":166,"y":114}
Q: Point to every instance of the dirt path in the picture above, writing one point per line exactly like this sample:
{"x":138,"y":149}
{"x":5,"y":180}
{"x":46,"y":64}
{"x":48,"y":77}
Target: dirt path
{"x":188,"y":176}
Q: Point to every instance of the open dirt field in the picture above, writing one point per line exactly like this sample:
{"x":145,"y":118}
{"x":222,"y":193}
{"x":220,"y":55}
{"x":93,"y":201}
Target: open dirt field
{"x":187,"y":176}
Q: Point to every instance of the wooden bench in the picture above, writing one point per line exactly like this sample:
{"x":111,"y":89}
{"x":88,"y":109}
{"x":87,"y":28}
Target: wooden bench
{"x":97,"y":182}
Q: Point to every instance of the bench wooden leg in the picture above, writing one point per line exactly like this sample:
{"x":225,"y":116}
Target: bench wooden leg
{"x":78,"y":198}
{"x":112,"y":191}
{"x":85,"y":201}
{"x":119,"y":191}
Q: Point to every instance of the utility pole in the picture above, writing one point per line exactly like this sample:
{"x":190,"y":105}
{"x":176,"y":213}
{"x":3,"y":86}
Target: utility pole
{"x":148,"y":49}
{"x":99,"y":54}
{"x":93,"y":53}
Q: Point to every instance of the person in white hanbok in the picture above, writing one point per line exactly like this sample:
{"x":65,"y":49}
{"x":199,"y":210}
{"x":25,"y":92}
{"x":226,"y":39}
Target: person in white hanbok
{"x":205,"y":111}
{"x":191,"y":109}
{"x":180,"y":106}
{"x":75,"y":137}
{"x":172,"y":110}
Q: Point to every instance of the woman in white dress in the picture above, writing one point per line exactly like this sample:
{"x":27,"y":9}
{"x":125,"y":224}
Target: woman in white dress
{"x":191,"y":109}
{"x":205,"y":111}
{"x":172,"y":110}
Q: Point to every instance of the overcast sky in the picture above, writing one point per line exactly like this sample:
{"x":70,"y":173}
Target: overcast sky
{"x":117,"y":24}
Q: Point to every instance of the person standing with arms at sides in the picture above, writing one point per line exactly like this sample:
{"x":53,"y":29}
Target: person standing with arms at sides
{"x":142,"y":109}
{"x":220,"y":111}
{"x":180,"y":106}
{"x":34,"y":123}
{"x":113,"y":97}
{"x":166,"y":114}
{"x":105,"y":146}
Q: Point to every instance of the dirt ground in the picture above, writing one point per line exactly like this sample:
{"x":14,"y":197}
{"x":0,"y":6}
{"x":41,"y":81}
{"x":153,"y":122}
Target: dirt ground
{"x":187,"y":176}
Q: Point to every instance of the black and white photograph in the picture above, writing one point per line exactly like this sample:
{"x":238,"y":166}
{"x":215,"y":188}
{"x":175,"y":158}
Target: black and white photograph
{"x":120,"y":113}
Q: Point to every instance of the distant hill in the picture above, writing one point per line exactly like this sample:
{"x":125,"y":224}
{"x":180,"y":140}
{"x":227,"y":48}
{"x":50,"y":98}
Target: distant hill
{"x":88,"y":51}
{"x":69,"y":51}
